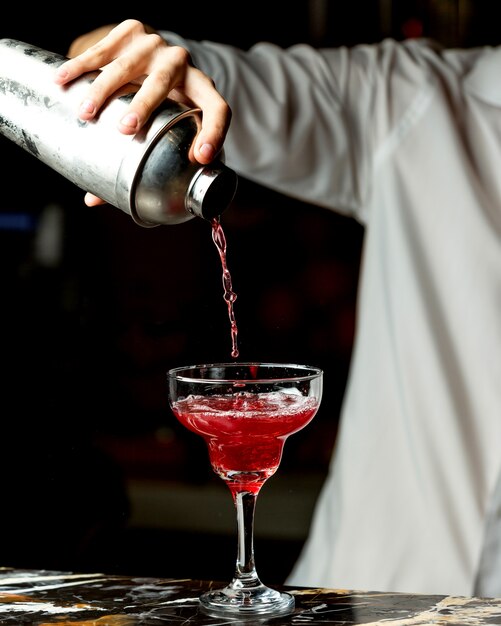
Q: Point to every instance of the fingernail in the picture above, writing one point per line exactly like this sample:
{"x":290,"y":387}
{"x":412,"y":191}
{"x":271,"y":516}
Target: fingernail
{"x":62,"y":73}
{"x":130,"y":120}
{"x":87,"y":107}
{"x":207,"y":150}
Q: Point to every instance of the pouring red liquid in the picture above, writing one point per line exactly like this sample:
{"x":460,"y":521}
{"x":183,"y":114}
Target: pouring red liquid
{"x":230,"y":296}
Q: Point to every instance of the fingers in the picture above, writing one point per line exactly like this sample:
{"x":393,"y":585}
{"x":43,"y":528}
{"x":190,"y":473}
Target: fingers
{"x":82,"y":43}
{"x":216,"y":115}
{"x":126,"y":54}
{"x":132,"y":52}
{"x":91,"y":200}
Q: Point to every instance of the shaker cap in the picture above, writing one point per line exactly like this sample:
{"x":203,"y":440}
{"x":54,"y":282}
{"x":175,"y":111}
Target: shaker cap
{"x":212,"y":190}
{"x":168,"y":185}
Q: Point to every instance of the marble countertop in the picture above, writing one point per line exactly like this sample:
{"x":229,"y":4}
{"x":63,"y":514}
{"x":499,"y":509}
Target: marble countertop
{"x":43,"y":598}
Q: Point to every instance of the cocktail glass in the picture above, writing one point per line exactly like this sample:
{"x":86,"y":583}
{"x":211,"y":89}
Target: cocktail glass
{"x":245,"y":412}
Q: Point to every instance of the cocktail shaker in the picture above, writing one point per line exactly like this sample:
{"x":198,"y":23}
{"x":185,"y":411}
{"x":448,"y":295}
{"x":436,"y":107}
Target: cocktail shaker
{"x":150,"y":175}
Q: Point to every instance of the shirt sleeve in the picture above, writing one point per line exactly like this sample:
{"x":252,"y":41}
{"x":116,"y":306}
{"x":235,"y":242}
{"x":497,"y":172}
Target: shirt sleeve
{"x":307,"y":122}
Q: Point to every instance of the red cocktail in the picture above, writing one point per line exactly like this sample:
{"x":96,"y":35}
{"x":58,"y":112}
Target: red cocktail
{"x":245,"y":412}
{"x":245,"y":432}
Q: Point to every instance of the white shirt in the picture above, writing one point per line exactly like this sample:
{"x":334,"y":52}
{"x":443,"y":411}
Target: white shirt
{"x":407,"y":139}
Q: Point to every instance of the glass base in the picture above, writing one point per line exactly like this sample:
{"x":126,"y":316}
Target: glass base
{"x":260,"y":600}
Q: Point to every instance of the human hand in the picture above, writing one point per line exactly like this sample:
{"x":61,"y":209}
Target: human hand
{"x":132,"y":52}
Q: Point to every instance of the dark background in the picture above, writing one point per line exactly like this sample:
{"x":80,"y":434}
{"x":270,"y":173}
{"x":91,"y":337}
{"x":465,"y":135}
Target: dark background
{"x":88,"y":332}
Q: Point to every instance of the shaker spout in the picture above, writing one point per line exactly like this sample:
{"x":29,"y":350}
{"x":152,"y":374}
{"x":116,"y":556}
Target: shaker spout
{"x":211,"y":190}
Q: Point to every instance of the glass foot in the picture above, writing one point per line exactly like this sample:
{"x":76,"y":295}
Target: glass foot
{"x":260,"y":600}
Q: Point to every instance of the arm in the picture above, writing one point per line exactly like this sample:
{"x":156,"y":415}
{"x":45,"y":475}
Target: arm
{"x":305,"y":121}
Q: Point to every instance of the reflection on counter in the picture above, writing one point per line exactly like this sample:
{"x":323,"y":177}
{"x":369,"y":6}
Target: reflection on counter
{"x":64,"y":598}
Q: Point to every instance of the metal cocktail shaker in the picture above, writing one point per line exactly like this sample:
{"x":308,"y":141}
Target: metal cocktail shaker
{"x":149,"y":175}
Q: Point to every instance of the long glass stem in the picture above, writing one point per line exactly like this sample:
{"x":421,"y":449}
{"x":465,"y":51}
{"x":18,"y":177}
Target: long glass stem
{"x":245,"y":572}
{"x":246,"y":594}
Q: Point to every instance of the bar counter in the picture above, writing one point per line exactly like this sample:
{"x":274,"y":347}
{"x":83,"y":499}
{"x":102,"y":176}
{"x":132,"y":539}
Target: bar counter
{"x":43,"y":598}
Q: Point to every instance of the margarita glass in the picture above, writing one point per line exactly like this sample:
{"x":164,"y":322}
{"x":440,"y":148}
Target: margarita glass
{"x":245,"y":412}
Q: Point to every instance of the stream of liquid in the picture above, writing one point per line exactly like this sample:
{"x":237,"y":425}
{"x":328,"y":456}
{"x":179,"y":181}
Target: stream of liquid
{"x":229,"y":295}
